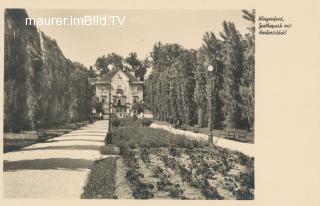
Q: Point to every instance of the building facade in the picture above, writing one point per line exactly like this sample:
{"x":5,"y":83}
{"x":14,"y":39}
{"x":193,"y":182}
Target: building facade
{"x":126,"y":92}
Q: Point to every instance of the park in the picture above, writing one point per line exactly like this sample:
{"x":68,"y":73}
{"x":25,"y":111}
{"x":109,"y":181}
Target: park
{"x":177,"y":124}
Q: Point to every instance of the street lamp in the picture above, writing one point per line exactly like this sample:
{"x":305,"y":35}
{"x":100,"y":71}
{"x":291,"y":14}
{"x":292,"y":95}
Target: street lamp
{"x":211,"y":89}
{"x":142,"y":109}
{"x":108,"y":139}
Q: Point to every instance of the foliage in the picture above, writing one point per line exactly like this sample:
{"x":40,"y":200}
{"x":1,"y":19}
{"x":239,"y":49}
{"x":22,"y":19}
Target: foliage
{"x":134,"y":117}
{"x":115,"y":122}
{"x":137,"y":107}
{"x":130,"y":64}
{"x":97,"y":104}
{"x":150,"y":137}
{"x":137,"y":66}
{"x":103,"y":62}
{"x":108,"y":150}
{"x":207,"y":170}
{"x":146,"y":122}
{"x":101,"y":181}
{"x":178,"y":87}
{"x":42,"y":87}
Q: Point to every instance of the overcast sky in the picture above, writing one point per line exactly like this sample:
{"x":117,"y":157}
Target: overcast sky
{"x":141,"y":29}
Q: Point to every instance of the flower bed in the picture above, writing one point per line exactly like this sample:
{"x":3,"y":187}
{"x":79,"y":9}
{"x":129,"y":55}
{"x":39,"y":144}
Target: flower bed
{"x":166,"y":166}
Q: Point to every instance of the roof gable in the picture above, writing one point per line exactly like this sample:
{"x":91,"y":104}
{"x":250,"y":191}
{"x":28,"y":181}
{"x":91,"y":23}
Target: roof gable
{"x":112,"y":73}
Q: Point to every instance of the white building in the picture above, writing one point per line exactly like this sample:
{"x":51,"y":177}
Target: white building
{"x":126,"y":91}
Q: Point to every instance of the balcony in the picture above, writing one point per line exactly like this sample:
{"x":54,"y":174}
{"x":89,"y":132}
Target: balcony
{"x":119,"y":91}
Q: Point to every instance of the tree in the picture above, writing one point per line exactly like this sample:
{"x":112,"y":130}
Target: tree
{"x":137,"y":66}
{"x":42,"y":87}
{"x":247,"y":87}
{"x":232,"y":76}
{"x":201,"y":86}
{"x":213,"y":50}
{"x":103,"y":62}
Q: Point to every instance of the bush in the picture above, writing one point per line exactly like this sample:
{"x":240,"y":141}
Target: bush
{"x":146,"y":122}
{"x":129,"y":122}
{"x":101,"y":180}
{"x":115,"y":122}
{"x":134,"y":117}
{"x":113,"y":116}
{"x":109,"y":150}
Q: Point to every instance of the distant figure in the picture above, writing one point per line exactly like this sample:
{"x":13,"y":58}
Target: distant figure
{"x":177,"y":125}
{"x":100,"y":115}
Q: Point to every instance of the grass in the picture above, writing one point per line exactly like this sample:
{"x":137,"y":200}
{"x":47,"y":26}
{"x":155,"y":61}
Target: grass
{"x":16,"y":141}
{"x":204,"y":130}
{"x":101,"y":181}
{"x":130,"y":122}
{"x":12,"y":144}
{"x":109,"y":150}
{"x":150,"y":137}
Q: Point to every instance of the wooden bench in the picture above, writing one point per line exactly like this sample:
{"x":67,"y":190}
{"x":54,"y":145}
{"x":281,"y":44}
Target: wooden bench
{"x":44,"y":136}
{"x":236,"y":134}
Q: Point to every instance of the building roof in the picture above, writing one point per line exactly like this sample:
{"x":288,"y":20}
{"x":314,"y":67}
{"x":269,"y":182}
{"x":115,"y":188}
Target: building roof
{"x":104,"y":79}
{"x":111,"y":74}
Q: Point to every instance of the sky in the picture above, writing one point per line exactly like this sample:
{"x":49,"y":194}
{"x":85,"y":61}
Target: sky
{"x":141,"y":29}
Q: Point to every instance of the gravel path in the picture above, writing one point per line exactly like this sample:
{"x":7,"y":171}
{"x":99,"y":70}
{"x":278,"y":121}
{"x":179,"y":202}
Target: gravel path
{"x":54,"y":169}
{"x":245,"y":148}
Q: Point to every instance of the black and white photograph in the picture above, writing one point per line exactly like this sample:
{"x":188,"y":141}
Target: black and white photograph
{"x":129,"y":104}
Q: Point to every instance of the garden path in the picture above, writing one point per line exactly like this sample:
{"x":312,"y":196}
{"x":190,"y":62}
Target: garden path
{"x":54,"y":169}
{"x":245,"y":148}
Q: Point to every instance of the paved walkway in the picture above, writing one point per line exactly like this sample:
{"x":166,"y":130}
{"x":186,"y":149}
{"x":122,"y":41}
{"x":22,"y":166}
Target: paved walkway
{"x":54,"y":169}
{"x":245,"y":148}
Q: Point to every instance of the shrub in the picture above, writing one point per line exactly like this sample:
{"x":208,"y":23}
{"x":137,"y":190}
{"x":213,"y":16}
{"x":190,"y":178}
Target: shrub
{"x":113,"y":116}
{"x":109,"y":150}
{"x":101,"y":180}
{"x":146,"y":122}
{"x":134,"y":117}
{"x":115,"y":122}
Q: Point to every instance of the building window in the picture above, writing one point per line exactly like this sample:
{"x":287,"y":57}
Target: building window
{"x":103,"y":98}
{"x":123,"y":100}
{"x":135,"y":99}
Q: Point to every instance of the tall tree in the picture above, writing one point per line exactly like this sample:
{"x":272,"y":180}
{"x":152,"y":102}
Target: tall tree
{"x":247,"y":87}
{"x":137,"y":66}
{"x":232,"y":76}
{"x":103,"y":62}
{"x":213,"y":48}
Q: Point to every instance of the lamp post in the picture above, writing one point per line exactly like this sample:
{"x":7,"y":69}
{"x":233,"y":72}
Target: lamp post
{"x":108,"y":139}
{"x":211,"y":89}
{"x":142,"y":109}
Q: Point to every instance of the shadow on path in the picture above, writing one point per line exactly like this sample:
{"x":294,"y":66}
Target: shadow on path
{"x":46,"y":164}
{"x":83,"y":134}
{"x":85,"y":140}
{"x":66,"y":147}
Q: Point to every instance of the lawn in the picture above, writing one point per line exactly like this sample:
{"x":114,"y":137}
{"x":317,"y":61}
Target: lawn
{"x":16,"y":141}
{"x":161,"y":165}
{"x":101,"y":181}
{"x":204,"y":130}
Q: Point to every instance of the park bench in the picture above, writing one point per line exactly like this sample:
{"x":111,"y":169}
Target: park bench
{"x":196,"y":129}
{"x":184,"y":127}
{"x":44,"y":136}
{"x":236,"y":134}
